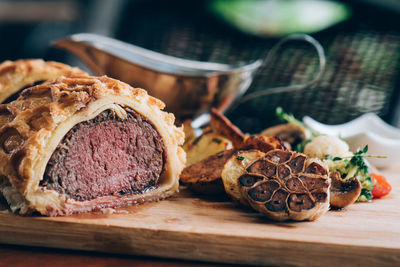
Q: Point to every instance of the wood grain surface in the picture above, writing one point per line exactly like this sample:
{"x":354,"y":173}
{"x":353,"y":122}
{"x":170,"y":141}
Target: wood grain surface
{"x":193,"y":227}
{"x":23,"y":256}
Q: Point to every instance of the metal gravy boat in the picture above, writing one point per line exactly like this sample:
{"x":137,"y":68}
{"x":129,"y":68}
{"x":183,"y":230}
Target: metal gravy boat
{"x":189,"y":88}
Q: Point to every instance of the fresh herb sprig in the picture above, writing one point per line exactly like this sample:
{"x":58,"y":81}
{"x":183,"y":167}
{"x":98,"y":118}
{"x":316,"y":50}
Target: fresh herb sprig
{"x":283,"y":116}
{"x":289,"y":118}
{"x":356,"y":162}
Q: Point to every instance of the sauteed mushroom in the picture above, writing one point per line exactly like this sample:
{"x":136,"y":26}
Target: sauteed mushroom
{"x":343,"y":192}
{"x":289,"y":133}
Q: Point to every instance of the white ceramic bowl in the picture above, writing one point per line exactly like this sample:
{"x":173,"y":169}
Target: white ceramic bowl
{"x":368,"y":129}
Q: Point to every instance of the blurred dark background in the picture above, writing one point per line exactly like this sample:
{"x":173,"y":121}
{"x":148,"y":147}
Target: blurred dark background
{"x":363,"y":53}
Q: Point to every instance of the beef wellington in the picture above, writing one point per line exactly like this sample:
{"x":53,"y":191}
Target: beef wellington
{"x":87,"y":143}
{"x":23,"y":73}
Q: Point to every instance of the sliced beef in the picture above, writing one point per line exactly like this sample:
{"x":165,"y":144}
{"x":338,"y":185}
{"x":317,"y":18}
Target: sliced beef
{"x":106,"y":156}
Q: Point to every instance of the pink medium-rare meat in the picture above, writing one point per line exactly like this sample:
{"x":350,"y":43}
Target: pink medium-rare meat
{"x":106,"y":156}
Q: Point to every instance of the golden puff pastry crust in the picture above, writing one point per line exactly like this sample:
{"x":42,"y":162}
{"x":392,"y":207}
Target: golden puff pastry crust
{"x":16,"y":75}
{"x":36,"y":123}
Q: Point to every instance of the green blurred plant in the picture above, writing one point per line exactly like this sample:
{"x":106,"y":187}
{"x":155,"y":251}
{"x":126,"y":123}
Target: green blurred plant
{"x":278,"y":18}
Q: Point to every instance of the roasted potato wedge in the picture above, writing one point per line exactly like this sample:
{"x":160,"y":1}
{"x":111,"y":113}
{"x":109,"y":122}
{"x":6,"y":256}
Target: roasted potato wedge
{"x":189,"y":131}
{"x":205,"y":176}
{"x":205,"y":145}
{"x":222,"y":125}
{"x":234,"y":168}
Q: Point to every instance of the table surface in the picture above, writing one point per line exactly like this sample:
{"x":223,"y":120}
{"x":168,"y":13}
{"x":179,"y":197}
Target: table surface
{"x":32,"y":256}
{"x":11,"y":255}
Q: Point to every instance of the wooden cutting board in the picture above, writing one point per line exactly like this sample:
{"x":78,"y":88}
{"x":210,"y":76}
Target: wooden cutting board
{"x":192,"y":227}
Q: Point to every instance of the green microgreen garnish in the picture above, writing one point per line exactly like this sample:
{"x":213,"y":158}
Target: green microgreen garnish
{"x":355,"y":166}
{"x":289,"y":118}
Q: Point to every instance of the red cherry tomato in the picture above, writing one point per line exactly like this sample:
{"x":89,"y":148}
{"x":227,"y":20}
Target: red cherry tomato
{"x":381,"y":186}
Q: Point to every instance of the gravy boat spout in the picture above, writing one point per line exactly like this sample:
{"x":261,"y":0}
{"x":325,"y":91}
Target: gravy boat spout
{"x":189,"y":88}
